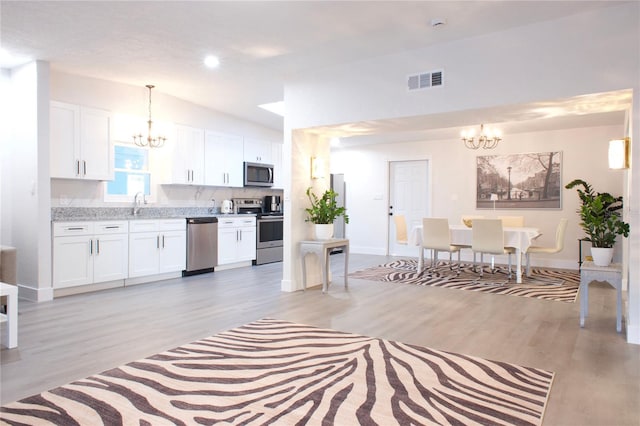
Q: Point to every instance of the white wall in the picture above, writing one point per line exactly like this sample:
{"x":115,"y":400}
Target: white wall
{"x":594,"y":52}
{"x":453,"y":178}
{"x":28,"y":173}
{"x":6,"y":165}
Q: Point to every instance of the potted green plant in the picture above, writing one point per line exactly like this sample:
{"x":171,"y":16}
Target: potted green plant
{"x":600,"y":219}
{"x":323,"y":211}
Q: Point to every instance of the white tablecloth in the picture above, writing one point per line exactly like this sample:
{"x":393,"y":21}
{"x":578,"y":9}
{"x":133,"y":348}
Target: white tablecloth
{"x":518,"y":238}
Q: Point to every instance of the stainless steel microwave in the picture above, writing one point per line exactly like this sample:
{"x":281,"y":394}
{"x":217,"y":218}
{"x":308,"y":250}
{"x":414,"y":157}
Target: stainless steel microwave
{"x":258,"y":174}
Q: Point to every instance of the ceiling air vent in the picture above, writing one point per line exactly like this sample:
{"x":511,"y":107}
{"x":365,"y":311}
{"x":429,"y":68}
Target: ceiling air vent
{"x":424,"y":80}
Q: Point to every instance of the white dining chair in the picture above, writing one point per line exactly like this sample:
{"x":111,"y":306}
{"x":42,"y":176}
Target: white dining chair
{"x":560,"y":231}
{"x":488,"y":238}
{"x":401,"y":229}
{"x":437,"y":237}
{"x":512,"y":221}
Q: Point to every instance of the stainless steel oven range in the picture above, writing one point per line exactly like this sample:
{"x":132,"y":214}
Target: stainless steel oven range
{"x":269,"y":245}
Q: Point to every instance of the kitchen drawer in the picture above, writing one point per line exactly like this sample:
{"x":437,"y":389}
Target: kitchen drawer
{"x":143,"y":225}
{"x":63,"y":229}
{"x":236,"y":222}
{"x":172,"y":224}
{"x":111,"y":227}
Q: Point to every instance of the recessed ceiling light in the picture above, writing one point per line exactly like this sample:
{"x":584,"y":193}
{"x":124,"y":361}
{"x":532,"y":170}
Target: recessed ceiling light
{"x":274,"y":107}
{"x":212,"y":61}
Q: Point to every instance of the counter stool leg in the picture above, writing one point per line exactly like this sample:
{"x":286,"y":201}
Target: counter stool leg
{"x":584,"y":301}
{"x":619,"y":307}
{"x":346,"y":266}
{"x":303,"y":256}
{"x":325,"y":270}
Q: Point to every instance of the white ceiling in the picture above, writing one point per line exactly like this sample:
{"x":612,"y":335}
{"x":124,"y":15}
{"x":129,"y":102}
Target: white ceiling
{"x":259,"y":43}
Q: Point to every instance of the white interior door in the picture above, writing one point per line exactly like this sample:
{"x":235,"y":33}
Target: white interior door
{"x":409,"y":195}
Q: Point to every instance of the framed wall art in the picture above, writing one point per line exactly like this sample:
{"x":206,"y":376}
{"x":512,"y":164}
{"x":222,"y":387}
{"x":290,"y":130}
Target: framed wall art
{"x":519,"y":181}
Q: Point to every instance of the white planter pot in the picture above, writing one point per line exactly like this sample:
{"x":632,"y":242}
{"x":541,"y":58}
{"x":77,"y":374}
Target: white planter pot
{"x":323,"y":231}
{"x":601,"y":256}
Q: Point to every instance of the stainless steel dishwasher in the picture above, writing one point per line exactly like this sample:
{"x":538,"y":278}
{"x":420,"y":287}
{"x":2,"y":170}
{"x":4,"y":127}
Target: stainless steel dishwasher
{"x":202,"y":245}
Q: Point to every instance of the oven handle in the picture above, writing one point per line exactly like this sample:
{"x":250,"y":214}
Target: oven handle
{"x":271,"y":219}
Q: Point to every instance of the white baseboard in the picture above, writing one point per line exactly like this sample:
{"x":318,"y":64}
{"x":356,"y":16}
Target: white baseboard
{"x":633,"y":334}
{"x":232,"y":266}
{"x":35,"y":294}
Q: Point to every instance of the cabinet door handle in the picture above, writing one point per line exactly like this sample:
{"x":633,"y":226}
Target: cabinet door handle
{"x":112,"y":227}
{"x":98,"y":246}
{"x":91,"y":247}
{"x":158,"y":241}
{"x":77,"y":167}
{"x":84,"y":167}
{"x":162,"y":240}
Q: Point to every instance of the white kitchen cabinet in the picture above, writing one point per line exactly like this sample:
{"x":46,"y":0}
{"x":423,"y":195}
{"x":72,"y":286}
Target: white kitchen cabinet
{"x":157,"y":246}
{"x":223,"y":156}
{"x":276,"y":158}
{"x":80,"y":142}
{"x":89,"y":252}
{"x":257,"y":151}
{"x":236,"y":240}
{"x":186,"y":156}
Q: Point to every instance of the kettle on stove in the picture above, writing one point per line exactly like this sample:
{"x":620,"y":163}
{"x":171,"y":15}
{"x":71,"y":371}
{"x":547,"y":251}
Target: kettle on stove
{"x":227,"y":206}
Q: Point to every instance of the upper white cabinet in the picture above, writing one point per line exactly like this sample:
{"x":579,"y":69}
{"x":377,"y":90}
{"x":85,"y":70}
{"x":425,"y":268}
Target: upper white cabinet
{"x":186,"y":156}
{"x":80,"y":142}
{"x":257,"y":151}
{"x":223,"y":154}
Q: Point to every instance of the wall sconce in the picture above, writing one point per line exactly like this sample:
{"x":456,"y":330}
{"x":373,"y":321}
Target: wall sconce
{"x":317,"y":168}
{"x":619,"y":154}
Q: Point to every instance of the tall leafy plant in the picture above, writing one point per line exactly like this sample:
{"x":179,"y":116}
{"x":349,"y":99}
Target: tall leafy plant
{"x":324,"y":209}
{"x":599,"y":214}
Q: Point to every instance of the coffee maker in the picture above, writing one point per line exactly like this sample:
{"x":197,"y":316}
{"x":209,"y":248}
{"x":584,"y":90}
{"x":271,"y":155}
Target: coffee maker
{"x":272,"y":204}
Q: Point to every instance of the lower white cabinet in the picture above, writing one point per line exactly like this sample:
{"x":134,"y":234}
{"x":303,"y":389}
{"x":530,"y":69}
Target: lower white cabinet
{"x":157,"y":246}
{"x":236,"y":239}
{"x":89,"y":252}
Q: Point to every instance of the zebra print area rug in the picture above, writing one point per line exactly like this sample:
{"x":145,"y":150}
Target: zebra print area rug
{"x":277,"y":372}
{"x":546,"y":284}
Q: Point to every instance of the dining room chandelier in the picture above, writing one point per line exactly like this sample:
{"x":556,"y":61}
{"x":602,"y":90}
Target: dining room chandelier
{"x":487,"y":139}
{"x":150,"y":141}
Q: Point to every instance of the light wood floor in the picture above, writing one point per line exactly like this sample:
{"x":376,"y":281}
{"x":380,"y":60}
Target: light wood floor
{"x":597,"y":373}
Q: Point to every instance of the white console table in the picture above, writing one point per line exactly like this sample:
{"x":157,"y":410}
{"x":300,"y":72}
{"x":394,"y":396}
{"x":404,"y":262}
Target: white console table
{"x":612,"y":275}
{"x":11,"y":318}
{"x":322,"y":248}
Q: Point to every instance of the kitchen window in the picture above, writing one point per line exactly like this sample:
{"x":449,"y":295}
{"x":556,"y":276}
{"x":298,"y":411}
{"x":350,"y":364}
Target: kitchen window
{"x":131,"y":174}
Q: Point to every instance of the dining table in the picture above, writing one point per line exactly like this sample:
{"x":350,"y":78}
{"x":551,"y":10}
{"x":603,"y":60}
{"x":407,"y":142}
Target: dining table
{"x":520,"y":238}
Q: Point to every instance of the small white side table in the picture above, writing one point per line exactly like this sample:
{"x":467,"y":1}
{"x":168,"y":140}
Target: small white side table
{"x":11,"y":318}
{"x":612,"y":275}
{"x":322,"y":248}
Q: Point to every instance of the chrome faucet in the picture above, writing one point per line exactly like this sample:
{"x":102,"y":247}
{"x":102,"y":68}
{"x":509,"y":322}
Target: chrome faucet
{"x":136,"y":203}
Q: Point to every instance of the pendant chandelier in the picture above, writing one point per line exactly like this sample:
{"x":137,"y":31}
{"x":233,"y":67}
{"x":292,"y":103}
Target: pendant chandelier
{"x":487,"y":139}
{"x":150,"y":141}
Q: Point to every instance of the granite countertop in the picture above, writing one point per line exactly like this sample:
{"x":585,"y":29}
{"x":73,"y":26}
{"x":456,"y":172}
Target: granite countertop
{"x":68,"y":214}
